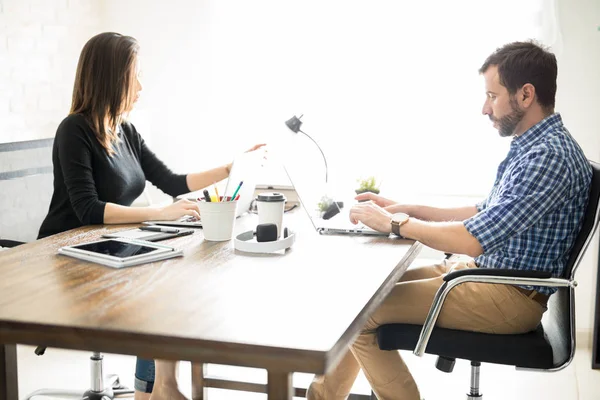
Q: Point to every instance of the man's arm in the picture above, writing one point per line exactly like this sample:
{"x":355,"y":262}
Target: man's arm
{"x":449,"y":237}
{"x":434,"y":214}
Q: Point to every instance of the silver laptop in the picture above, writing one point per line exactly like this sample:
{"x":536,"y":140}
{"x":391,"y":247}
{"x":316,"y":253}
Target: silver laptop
{"x":245,"y":168}
{"x":339,"y":224}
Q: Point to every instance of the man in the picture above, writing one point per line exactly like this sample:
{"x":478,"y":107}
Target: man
{"x":528,"y":221}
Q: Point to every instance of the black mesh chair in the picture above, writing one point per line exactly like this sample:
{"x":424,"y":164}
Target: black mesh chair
{"x":551,"y":347}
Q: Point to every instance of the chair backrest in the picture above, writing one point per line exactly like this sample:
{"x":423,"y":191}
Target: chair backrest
{"x":559,"y":320}
{"x":26,"y":186}
{"x":589,"y":225}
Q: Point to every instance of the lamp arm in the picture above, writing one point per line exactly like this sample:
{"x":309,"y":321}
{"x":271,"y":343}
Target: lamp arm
{"x":323,"y":154}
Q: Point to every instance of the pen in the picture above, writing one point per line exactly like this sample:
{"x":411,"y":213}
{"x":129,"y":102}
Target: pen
{"x":216,"y":191}
{"x":237,"y":190}
{"x":206,"y":196}
{"x":159,"y":229}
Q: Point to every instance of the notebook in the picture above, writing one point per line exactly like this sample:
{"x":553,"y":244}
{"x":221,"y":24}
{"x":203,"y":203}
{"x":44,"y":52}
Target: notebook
{"x":245,"y":168}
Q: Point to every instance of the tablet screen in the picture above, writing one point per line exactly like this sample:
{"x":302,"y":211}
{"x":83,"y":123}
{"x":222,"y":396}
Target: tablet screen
{"x":116,"y":248}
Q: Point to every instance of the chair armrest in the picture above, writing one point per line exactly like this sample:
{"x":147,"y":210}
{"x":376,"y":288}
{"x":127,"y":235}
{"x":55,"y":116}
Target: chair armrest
{"x":481,"y":275}
{"x":10,"y":243}
{"x":516,"y":273}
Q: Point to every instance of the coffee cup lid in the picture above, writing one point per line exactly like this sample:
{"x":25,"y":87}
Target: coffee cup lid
{"x":270,"y":197}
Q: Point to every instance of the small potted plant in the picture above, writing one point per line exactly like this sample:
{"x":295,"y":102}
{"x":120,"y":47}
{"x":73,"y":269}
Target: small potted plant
{"x":368,"y":184}
{"x":324,"y":204}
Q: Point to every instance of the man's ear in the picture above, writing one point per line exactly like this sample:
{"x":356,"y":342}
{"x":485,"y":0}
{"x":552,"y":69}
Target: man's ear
{"x":527,"y":95}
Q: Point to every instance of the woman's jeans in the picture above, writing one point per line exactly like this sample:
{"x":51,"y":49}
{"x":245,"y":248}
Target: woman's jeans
{"x":144,"y":375}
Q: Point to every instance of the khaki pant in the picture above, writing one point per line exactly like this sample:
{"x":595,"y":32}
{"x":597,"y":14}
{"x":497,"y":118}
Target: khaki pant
{"x":500,"y":309}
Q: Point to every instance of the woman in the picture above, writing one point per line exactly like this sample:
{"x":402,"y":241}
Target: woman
{"x":101,"y":164}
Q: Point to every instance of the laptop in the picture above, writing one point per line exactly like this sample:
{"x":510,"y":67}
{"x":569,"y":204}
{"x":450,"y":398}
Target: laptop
{"x":339,"y":223}
{"x":245,"y":168}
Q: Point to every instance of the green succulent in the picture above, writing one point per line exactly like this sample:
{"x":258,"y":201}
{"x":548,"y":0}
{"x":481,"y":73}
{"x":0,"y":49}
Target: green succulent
{"x":368,"y":184}
{"x":324,"y":203}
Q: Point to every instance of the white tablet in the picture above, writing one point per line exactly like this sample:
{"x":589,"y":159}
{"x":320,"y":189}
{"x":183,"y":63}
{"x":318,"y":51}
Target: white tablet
{"x":119,"y":253}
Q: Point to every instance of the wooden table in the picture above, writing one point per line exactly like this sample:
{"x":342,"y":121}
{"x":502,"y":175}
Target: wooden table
{"x":288,"y":313}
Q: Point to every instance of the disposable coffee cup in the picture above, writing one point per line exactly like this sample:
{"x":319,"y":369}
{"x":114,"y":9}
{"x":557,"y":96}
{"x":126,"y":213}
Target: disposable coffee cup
{"x":218,"y":219}
{"x":270,"y":207}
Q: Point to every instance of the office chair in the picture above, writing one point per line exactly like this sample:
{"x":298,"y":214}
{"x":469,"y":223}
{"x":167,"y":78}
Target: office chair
{"x":25,"y":192}
{"x":551,"y":347}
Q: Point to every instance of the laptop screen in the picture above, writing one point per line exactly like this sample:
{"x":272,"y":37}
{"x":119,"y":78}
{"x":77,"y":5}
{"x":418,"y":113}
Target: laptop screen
{"x":246,"y":169}
{"x":326,"y":203}
{"x":316,"y":196}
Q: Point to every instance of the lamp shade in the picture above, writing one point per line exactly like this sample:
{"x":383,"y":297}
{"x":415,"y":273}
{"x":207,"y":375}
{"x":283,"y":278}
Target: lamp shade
{"x":294,"y":124}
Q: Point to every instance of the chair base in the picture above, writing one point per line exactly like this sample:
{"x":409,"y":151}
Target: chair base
{"x":103,"y":388}
{"x":107,"y":394}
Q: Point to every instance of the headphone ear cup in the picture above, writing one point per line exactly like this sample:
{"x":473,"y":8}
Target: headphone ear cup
{"x":266,"y":233}
{"x":285,"y":232}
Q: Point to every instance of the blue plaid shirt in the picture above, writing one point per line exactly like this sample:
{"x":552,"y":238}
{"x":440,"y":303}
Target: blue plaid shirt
{"x":531,"y":217}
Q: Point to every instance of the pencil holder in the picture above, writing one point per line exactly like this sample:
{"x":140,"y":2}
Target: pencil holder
{"x":218,"y":219}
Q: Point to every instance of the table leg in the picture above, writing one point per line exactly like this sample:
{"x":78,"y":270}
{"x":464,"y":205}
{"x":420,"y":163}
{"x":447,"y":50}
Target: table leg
{"x":199,"y":391}
{"x":279,"y":386}
{"x":9,"y":388}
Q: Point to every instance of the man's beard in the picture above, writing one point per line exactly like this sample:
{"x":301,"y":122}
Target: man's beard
{"x":508,"y":123}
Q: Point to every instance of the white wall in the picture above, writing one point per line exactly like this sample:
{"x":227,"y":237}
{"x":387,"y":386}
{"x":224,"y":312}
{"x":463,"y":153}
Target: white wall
{"x":355,"y":69}
{"x":578,"y":99}
{"x":40,"y":41}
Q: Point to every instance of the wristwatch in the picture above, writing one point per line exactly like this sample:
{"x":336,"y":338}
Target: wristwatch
{"x":397,"y":221}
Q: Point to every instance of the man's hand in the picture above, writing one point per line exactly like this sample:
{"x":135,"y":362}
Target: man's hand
{"x":371,"y":215}
{"x":375,"y":198}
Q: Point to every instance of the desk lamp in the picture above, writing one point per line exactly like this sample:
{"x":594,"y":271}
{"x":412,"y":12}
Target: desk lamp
{"x":294,"y":124}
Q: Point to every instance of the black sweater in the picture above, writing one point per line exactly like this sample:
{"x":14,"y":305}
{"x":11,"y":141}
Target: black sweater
{"x":86,"y":177}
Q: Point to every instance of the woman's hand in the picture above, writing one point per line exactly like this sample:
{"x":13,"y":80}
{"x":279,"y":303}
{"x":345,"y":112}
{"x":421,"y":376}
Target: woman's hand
{"x":178,"y":210}
{"x":375,"y":198}
{"x":372,"y":216}
{"x":255,"y":147}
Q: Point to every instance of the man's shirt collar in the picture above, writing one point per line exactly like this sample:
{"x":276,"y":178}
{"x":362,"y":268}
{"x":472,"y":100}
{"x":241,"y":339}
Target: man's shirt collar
{"x":534,"y":134}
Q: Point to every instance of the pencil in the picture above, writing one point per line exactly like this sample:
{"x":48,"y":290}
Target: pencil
{"x":217,"y":192}
{"x":237,"y":190}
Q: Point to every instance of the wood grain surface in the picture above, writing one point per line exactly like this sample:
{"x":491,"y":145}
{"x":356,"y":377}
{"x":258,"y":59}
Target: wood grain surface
{"x":285,"y":312}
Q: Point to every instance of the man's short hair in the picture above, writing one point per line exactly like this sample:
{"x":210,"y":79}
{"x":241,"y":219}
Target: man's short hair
{"x":526,"y":62}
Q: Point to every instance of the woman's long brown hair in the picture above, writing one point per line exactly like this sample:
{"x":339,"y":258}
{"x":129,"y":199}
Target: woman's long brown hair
{"x":104,"y":84}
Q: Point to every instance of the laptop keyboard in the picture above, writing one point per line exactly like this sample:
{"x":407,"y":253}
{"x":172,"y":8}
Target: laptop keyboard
{"x":188,"y":218}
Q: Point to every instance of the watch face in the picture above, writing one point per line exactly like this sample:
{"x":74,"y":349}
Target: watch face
{"x":399,"y":217}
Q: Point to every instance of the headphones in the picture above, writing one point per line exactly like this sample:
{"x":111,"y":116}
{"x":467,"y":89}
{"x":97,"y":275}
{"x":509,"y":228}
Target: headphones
{"x":266,"y":240}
